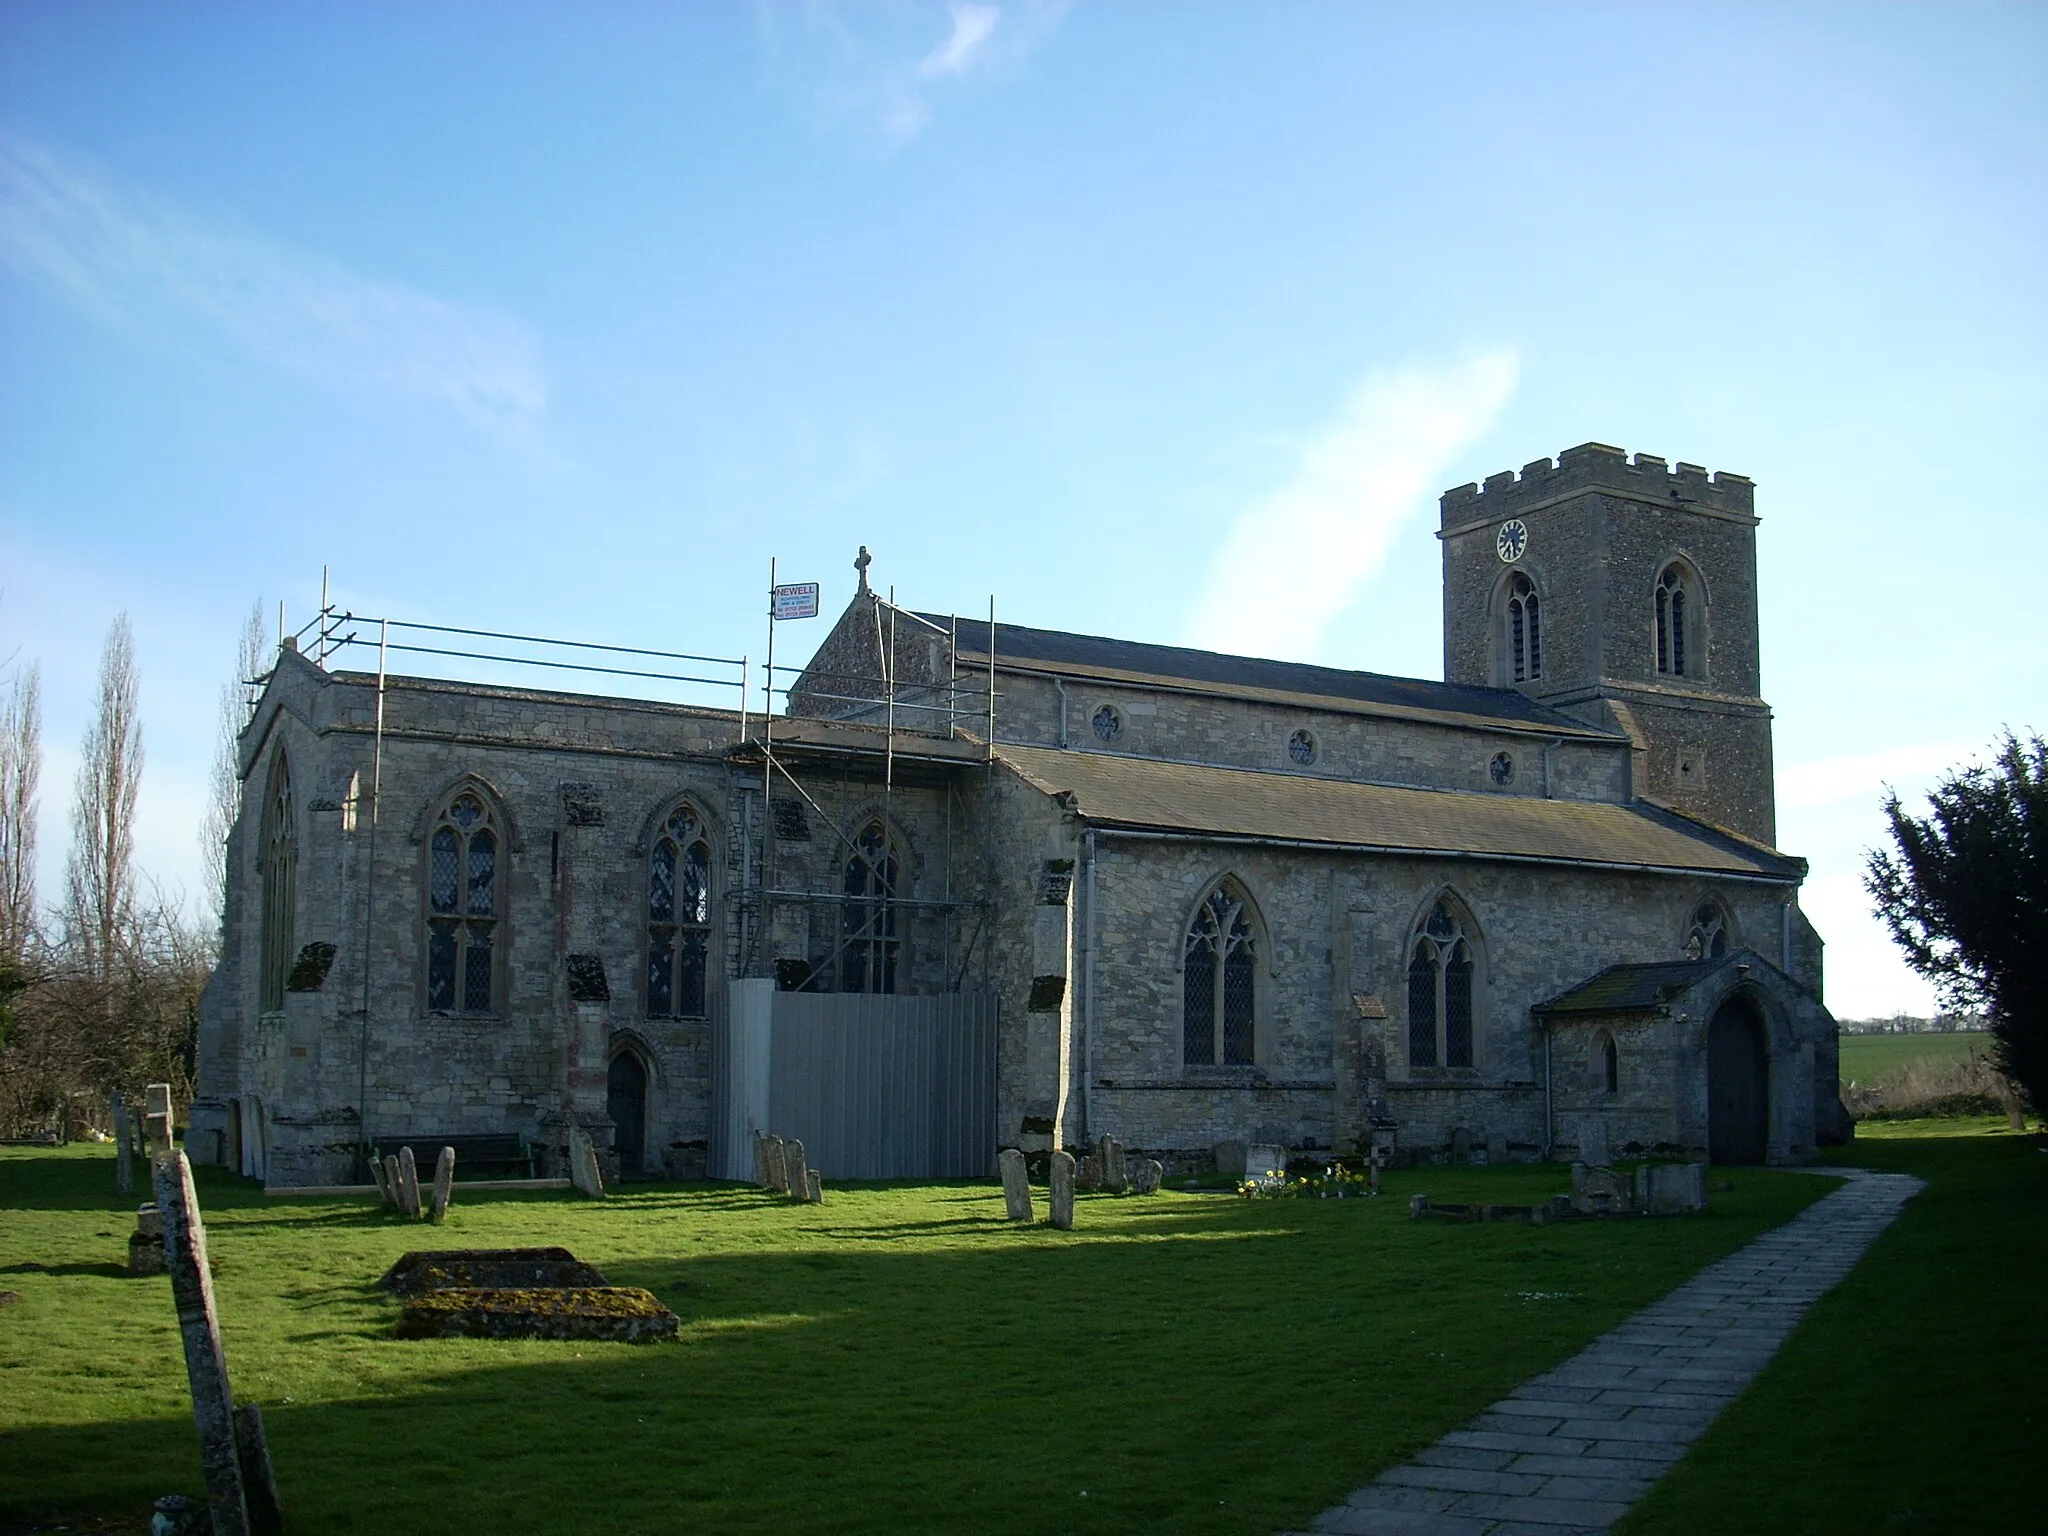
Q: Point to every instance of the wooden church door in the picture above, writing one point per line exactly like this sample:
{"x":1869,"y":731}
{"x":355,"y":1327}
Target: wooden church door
{"x":626,"y":1103}
{"x":1738,"y":1077}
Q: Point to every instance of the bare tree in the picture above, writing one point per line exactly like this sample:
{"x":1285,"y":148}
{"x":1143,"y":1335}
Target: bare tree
{"x":238,"y":697}
{"x":21,"y":768}
{"x":99,"y":912}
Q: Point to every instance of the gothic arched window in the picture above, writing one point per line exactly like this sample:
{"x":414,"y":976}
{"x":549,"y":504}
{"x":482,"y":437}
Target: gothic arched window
{"x":1706,"y":933}
{"x":678,"y":917}
{"x":463,"y":907}
{"x":869,"y":943}
{"x":280,"y":879}
{"x":1441,"y":976}
{"x":1525,"y":630}
{"x":1219,"y":984}
{"x":1676,"y":622}
{"x":1608,"y":1056}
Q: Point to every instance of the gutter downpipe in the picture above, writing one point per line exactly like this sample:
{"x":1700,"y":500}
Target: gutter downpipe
{"x":1088,"y":990}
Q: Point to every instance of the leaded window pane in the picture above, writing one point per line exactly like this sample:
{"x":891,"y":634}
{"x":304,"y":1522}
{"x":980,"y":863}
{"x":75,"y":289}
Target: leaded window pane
{"x":1535,"y":638}
{"x":1678,"y":631}
{"x":1663,"y":630}
{"x":443,"y":874}
{"x":1237,"y":1006}
{"x":690,"y":969}
{"x":483,"y":874}
{"x":661,"y":948}
{"x":441,"y":967}
{"x":696,"y":906}
{"x":661,"y":883}
{"x":1720,"y":945}
{"x":1515,"y":640}
{"x":1422,"y":1008}
{"x":1610,"y":1065}
{"x":1198,"y":999}
{"x":1458,"y":1008}
{"x":476,"y":968}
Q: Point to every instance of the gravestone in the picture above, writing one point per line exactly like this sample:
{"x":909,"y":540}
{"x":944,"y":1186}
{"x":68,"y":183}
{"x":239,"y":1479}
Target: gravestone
{"x":1593,"y":1141}
{"x":146,"y":1243}
{"x":156,"y":1118}
{"x":1146,"y":1177}
{"x":1669,"y":1189}
{"x":444,"y":1185}
{"x":1114,"y":1178}
{"x":377,"y":1178}
{"x":814,"y":1186}
{"x":1230,"y":1159}
{"x":124,"y":1174}
{"x":391,"y":1184}
{"x":408,"y":1184}
{"x":778,"y":1165}
{"x":1373,"y":1161}
{"x":1461,"y":1145}
{"x":1062,"y":1200}
{"x":793,"y":1168}
{"x":584,"y":1175}
{"x":1600,"y":1191}
{"x":1016,"y":1184}
{"x":1088,"y":1172}
{"x":206,"y":1366}
{"x":760,"y":1159}
{"x":1417,"y":1204}
{"x":1265,"y":1164}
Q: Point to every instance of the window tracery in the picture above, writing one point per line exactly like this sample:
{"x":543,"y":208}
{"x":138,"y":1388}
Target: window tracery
{"x":869,"y":944}
{"x":280,"y":880}
{"x":1706,"y":933}
{"x":1219,"y":984}
{"x":678,"y":917}
{"x":1675,"y":623}
{"x":1525,"y":630}
{"x":463,"y":907}
{"x":1441,"y":989}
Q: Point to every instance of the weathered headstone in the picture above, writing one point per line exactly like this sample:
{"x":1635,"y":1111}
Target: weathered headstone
{"x":1666,"y":1189}
{"x":1372,"y":1168}
{"x":1461,"y":1145}
{"x":778,"y":1165}
{"x":1597,"y":1191}
{"x":444,"y":1185}
{"x":584,"y":1173}
{"x":1147,"y":1176}
{"x":124,"y":1174}
{"x":206,"y":1366}
{"x":1062,"y":1201}
{"x":1016,"y":1184}
{"x":1593,"y":1148}
{"x":377,"y":1178}
{"x":760,"y":1159}
{"x":1417,"y":1204}
{"x":1114,"y":1178}
{"x":391,"y":1184}
{"x":1088,"y":1171}
{"x":814,"y":1186}
{"x":794,"y":1170}
{"x":408,"y":1184}
{"x":1230,"y":1159}
{"x":156,"y":1119}
{"x":1265,"y":1164}
{"x":146,"y":1243}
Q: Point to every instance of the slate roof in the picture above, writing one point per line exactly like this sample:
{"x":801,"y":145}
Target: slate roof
{"x":1632,"y":988}
{"x":1148,"y":793}
{"x":1172,"y":666}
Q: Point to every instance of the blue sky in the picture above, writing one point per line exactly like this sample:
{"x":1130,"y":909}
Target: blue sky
{"x":1167,"y":322}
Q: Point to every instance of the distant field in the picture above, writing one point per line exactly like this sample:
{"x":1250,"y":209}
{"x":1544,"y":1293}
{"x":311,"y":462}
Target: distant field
{"x":1869,"y":1059}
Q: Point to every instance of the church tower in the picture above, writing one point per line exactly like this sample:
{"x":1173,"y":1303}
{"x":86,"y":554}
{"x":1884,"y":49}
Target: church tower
{"x":1623,"y":592}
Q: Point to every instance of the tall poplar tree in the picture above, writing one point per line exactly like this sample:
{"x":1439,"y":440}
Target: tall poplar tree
{"x":99,"y":914}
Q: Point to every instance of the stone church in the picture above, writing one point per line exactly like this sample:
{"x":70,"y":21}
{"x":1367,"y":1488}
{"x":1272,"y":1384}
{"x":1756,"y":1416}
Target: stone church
{"x":983,"y":885}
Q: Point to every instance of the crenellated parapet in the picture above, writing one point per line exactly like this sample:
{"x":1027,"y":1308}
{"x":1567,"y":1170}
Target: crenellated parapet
{"x":1597,"y":467}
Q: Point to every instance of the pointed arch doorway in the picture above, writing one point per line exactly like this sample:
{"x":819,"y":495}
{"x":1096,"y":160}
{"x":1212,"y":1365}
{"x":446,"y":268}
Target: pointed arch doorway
{"x":1738,"y":1082}
{"x":626,"y":1103}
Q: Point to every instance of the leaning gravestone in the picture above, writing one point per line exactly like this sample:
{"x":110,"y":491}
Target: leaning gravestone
{"x":778,"y":1165}
{"x":391,"y":1185}
{"x":124,"y":1175}
{"x":794,"y":1170}
{"x":408,"y":1184}
{"x":584,"y":1174}
{"x":377,"y":1178}
{"x":444,"y":1185}
{"x":1016,"y":1184}
{"x":1062,"y":1201}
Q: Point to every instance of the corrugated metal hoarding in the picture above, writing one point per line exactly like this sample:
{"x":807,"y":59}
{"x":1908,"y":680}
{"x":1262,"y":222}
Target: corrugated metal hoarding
{"x":876,"y":1087}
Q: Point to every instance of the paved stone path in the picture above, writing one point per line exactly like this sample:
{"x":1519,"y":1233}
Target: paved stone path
{"x":1570,"y":1450}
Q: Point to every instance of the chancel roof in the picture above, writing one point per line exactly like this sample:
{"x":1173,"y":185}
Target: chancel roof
{"x":1171,"y":666}
{"x":1241,"y":803}
{"x":1632,"y":988}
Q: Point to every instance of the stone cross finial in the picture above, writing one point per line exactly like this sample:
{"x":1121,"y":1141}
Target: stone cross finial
{"x":861,"y":562}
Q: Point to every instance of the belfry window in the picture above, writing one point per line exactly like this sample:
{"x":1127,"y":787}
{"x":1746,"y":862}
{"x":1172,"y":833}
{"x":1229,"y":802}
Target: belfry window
{"x":1525,"y":630}
{"x":869,"y":943}
{"x":280,"y":879}
{"x":1441,"y":975}
{"x":1675,"y":622}
{"x":463,"y":908}
{"x":678,"y":917}
{"x":1706,"y":934}
{"x":1219,"y":984}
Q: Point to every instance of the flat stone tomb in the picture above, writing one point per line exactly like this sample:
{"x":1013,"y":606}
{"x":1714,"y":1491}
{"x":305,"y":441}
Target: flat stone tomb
{"x":520,"y":1293}
{"x":1570,"y":1450}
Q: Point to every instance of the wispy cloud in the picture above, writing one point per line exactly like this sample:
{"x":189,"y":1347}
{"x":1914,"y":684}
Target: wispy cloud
{"x":1297,"y":555}
{"x":129,"y":257}
{"x":881,"y":70}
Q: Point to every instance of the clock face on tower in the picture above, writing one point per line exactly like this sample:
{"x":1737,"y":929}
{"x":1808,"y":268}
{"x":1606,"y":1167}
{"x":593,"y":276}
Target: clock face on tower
{"x":1512,"y":539}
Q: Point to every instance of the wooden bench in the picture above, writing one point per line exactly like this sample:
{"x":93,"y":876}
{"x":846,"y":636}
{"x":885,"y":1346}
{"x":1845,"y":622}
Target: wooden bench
{"x":505,"y":1155}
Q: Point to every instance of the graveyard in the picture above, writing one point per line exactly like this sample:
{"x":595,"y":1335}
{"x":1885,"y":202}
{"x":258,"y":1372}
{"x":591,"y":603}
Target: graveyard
{"x":904,"y":1356}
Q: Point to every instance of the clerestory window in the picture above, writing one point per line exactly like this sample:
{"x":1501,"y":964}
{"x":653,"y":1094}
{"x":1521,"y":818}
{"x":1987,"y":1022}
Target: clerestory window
{"x":1525,"y":630}
{"x":1675,"y":622}
{"x":869,"y":943}
{"x":1219,"y":984}
{"x":678,"y":917}
{"x":463,"y":907}
{"x":1441,"y":986}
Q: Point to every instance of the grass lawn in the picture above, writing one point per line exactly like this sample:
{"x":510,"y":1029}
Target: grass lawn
{"x":897,"y":1359}
{"x":1870,"y":1059}
{"x":1910,"y":1398}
